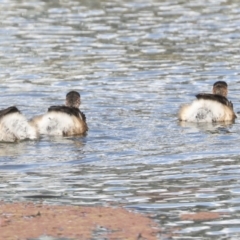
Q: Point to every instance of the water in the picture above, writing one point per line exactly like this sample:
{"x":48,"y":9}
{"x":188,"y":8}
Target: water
{"x":134,"y":63}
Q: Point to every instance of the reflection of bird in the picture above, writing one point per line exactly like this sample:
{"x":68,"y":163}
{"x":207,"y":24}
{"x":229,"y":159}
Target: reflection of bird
{"x":14,"y":126}
{"x":213,"y":107}
{"x":63,"y":120}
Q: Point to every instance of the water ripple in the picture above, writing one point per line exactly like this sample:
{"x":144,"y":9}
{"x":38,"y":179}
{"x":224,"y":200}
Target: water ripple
{"x":134,"y":64}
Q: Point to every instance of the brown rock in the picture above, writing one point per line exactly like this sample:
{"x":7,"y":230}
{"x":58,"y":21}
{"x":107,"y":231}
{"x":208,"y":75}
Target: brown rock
{"x":200,"y":216}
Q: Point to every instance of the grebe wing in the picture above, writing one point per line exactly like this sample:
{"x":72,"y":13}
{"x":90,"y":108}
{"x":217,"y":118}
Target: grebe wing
{"x":215,"y":97}
{"x":68,"y":110}
{"x":83,"y":116}
{"x":8,"y":110}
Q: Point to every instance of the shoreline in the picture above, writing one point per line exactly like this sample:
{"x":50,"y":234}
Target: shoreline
{"x":27,"y":220}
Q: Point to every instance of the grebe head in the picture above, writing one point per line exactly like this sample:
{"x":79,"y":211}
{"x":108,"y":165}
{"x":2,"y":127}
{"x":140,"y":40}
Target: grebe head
{"x":73,"y":99}
{"x":220,"y":88}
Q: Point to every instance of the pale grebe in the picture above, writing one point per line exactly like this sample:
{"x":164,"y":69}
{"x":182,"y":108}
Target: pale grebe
{"x":213,"y":107}
{"x":63,"y":120}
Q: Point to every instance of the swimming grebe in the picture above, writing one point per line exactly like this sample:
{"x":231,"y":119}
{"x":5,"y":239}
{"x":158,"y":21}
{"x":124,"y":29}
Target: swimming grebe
{"x":213,"y":107}
{"x":14,"y":126}
{"x":63,"y":120}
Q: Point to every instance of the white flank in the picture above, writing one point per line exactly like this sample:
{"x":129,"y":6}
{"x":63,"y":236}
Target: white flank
{"x":203,"y":110}
{"x":55,"y":123}
{"x":15,"y":127}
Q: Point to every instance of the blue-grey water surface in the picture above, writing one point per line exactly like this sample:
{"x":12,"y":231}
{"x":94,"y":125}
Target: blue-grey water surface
{"x":134,"y":63}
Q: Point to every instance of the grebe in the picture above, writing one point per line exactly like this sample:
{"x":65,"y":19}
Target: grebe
{"x":14,"y":126}
{"x":63,"y":120}
{"x":213,"y":107}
